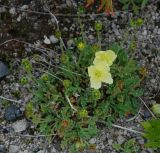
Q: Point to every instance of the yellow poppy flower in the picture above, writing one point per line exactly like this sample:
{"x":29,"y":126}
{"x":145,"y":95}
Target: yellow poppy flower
{"x":104,"y":57}
{"x":98,"y":74}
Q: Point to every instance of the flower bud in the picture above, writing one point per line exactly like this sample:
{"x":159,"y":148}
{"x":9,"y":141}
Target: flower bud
{"x":96,"y":94}
{"x":81,"y":46}
{"x":83,"y":113}
{"x":156,"y":109}
{"x":64,"y":58}
{"x":45,"y":77}
{"x":23,"y":80}
{"x":66,"y":83}
{"x":98,"y":26}
{"x":27,"y":65}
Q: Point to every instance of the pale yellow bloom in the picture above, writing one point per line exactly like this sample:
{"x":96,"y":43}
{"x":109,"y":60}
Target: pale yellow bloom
{"x":105,"y":57}
{"x":98,"y":74}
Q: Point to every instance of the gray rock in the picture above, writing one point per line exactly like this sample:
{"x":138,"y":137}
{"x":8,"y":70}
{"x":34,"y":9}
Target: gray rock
{"x":146,"y":114}
{"x":14,"y":149}
{"x":53,"y":39}
{"x":144,"y":32}
{"x":141,"y":141}
{"x":153,"y":80}
{"x":24,"y":7}
{"x":12,"y":11}
{"x":3,"y":149}
{"x":20,"y":125}
{"x":12,"y":113}
{"x":70,"y":43}
{"x":3,"y":69}
{"x":92,"y":141}
{"x":110,"y":141}
{"x":120,"y":139}
{"x":69,"y":3}
{"x":42,"y":151}
{"x":150,"y":150}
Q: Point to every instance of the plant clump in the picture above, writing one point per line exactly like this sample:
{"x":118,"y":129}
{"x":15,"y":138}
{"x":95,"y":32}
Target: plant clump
{"x":87,"y":87}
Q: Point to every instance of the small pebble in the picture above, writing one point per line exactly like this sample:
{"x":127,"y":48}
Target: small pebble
{"x":42,"y":151}
{"x":12,"y":113}
{"x":3,"y":69}
{"x":120,"y":139}
{"x":92,"y":141}
{"x":20,"y":125}
{"x":53,"y":39}
{"x":14,"y":149}
{"x":46,"y":40}
{"x":3,"y":149}
{"x":141,"y":141}
{"x":12,"y":11}
{"x":110,"y":142}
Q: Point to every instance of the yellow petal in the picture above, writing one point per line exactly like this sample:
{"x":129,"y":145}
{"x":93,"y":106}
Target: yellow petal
{"x":104,"y":57}
{"x":96,"y":84}
{"x":98,"y":74}
{"x":111,"y":56}
{"x":108,"y":78}
{"x":91,"y":70}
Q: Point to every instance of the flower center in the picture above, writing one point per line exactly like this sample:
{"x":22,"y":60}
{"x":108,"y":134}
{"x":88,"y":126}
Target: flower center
{"x":98,"y":74}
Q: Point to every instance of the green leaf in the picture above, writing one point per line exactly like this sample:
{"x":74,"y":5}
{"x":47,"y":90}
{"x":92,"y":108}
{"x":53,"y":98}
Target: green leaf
{"x":152,"y":133}
{"x":136,"y":93}
{"x":117,"y":147}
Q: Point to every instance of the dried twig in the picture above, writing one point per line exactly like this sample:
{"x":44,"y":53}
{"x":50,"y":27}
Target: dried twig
{"x":57,"y":26}
{"x":147,"y":107}
{"x":7,"y":41}
{"x":41,"y":49}
{"x":31,"y":136}
{"x":128,"y":129}
{"x":49,"y":74}
{"x":68,"y":100}
{"x":134,"y":117}
{"x":15,"y":101}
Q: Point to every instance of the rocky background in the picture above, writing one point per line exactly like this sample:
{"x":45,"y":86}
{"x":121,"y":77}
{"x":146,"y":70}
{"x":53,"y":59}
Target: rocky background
{"x":29,"y":24}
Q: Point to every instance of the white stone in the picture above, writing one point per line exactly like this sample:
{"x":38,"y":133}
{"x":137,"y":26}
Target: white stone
{"x":120,"y":139}
{"x":24,"y":7}
{"x":110,"y":142}
{"x":38,"y":43}
{"x":92,"y":141}
{"x":70,"y":42}
{"x":19,"y":18}
{"x":46,"y":40}
{"x":144,"y":32}
{"x":53,"y":39}
{"x":12,"y":11}
{"x":20,"y":125}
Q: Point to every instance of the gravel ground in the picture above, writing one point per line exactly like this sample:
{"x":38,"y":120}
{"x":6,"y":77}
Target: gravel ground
{"x":31,"y":27}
